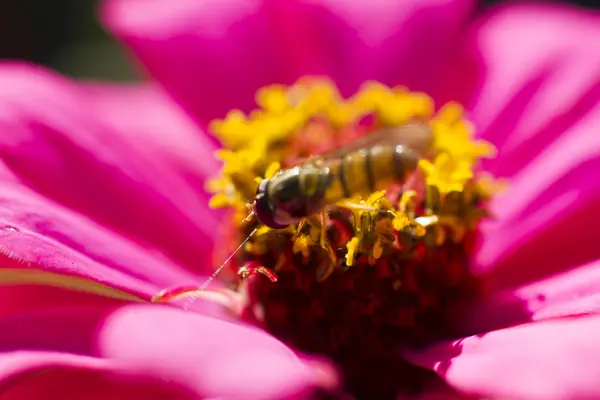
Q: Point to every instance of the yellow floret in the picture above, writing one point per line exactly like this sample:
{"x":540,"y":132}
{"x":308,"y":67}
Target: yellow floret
{"x":273,"y":98}
{"x":400,"y":221}
{"x":233,"y":131}
{"x":447,"y":174}
{"x":272,"y":169}
{"x":371,"y":97}
{"x":352,"y":248}
{"x":302,"y":245}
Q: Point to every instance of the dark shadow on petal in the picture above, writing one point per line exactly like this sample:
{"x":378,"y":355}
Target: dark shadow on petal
{"x":451,"y":352}
{"x":490,"y":313}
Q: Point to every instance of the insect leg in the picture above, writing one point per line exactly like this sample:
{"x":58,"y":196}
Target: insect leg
{"x":301,"y":224}
{"x":323,"y":229}
{"x":351,"y":205}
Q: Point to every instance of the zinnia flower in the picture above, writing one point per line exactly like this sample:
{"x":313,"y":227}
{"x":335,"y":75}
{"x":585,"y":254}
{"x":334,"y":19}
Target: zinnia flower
{"x":103,"y":206}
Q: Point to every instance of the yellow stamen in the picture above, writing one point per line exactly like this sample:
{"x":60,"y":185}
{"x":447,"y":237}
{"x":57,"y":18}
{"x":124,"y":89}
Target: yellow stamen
{"x":352,"y":248}
{"x":400,"y":221}
{"x":272,"y":169}
{"x":302,"y":245}
{"x":273,"y":98}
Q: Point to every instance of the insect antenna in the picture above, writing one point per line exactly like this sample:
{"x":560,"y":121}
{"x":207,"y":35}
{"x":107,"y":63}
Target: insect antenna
{"x":218,"y":270}
{"x":169,"y":294}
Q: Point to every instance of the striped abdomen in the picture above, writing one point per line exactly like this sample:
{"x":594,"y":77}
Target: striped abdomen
{"x":367,"y":170}
{"x":361,"y":167}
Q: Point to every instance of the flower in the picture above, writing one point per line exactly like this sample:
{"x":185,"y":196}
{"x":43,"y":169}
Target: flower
{"x":97,"y":198}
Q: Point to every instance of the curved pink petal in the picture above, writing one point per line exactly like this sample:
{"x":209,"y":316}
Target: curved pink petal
{"x":215,"y":358}
{"x":148,"y":115}
{"x":572,"y":293}
{"x":68,"y":144}
{"x":536,"y":95}
{"x":545,"y":222}
{"x":210,"y":357}
{"x":528,"y":73}
{"x":16,"y":300}
{"x":38,"y":234}
{"x":53,"y":375}
{"x":21,"y":298}
{"x":549,"y":360}
{"x":549,"y":208}
{"x":213,"y":55}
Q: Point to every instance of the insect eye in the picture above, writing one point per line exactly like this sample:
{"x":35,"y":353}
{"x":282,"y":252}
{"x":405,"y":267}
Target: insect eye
{"x":263,"y":208}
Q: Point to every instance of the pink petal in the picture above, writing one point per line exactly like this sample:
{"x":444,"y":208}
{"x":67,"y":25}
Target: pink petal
{"x":538,"y":99}
{"x":545,"y":222}
{"x":38,"y":234}
{"x":539,"y":361}
{"x":572,"y":293}
{"x":16,"y":300}
{"x":213,"y":55}
{"x":68,"y":145}
{"x":69,"y":320}
{"x":215,"y":358}
{"x":148,"y":115}
{"x":528,"y":75}
{"x":19,"y":297}
{"x":210,"y":357}
{"x":53,"y":375}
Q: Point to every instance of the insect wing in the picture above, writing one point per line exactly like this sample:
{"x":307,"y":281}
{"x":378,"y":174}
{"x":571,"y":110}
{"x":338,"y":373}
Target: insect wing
{"x":415,"y":136}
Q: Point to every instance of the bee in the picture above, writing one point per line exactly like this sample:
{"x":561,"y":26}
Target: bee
{"x":366,"y":165}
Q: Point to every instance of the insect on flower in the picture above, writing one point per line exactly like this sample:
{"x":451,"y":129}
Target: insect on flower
{"x":364,"y":166}
{"x":361,"y":167}
{"x":286,"y":195}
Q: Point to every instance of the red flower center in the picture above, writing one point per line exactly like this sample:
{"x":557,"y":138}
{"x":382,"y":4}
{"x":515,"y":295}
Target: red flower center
{"x":362,"y":316}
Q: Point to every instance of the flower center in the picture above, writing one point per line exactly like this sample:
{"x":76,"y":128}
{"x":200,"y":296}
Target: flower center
{"x":363,"y":210}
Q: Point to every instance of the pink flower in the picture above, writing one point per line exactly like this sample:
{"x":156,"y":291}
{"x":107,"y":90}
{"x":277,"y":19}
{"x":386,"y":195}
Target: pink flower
{"x":102,"y":192}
